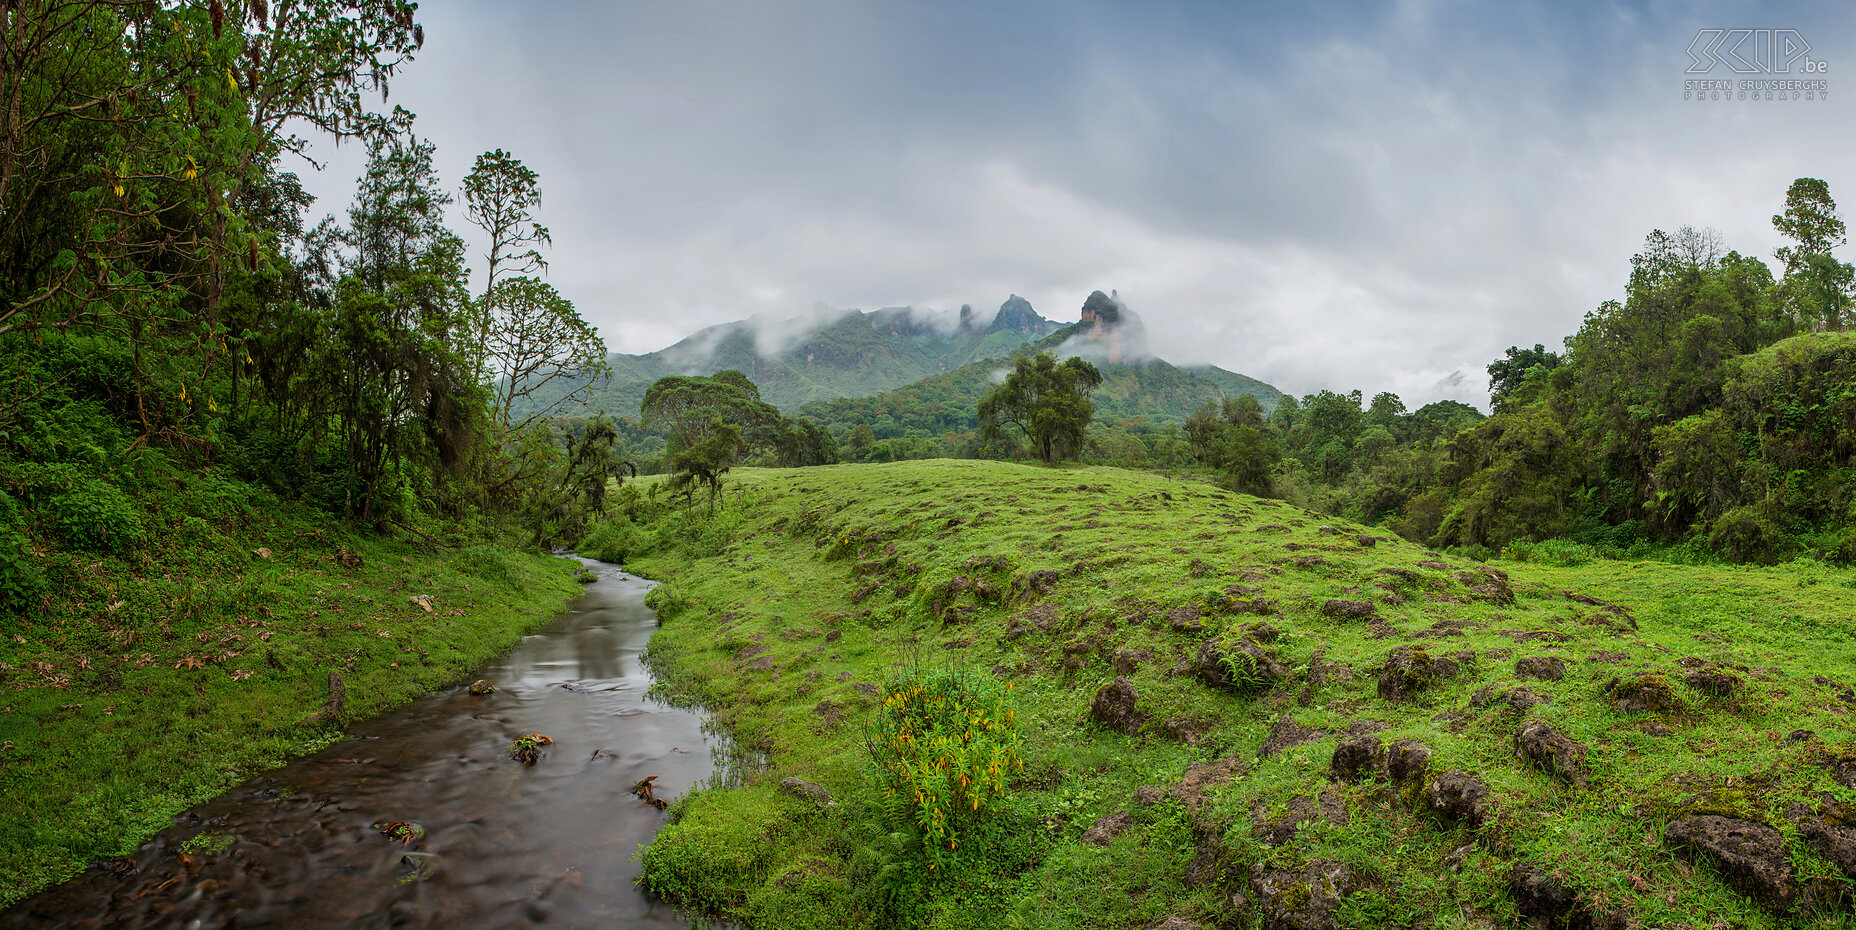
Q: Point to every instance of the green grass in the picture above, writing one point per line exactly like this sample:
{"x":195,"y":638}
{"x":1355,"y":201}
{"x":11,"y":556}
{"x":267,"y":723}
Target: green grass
{"x":825,"y":579}
{"x":154,"y":680}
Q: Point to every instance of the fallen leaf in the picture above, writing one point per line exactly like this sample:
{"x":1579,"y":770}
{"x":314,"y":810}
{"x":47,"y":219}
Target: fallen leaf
{"x":262,"y":552}
{"x":190,"y":662}
{"x":241,"y":674}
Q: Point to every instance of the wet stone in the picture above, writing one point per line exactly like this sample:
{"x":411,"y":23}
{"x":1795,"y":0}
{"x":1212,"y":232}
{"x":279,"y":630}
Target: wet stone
{"x":805,"y":790}
{"x":1301,"y":899}
{"x":1407,"y":760}
{"x":1128,"y":661}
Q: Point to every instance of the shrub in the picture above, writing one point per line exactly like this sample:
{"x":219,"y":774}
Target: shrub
{"x":944,"y":745}
{"x":21,"y":582}
{"x":92,"y":515}
{"x":616,"y":541}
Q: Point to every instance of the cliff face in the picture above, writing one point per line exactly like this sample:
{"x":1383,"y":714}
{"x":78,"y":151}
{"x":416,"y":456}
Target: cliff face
{"x":1110,"y":325}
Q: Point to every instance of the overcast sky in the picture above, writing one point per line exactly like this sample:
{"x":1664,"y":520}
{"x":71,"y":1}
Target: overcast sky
{"x":1371,"y":196}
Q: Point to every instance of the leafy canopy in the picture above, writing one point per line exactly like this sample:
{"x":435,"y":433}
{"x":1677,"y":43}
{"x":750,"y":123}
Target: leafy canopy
{"x":1048,"y":402}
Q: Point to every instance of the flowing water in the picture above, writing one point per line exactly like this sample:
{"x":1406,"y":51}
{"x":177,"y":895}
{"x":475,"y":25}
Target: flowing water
{"x":504,"y":844}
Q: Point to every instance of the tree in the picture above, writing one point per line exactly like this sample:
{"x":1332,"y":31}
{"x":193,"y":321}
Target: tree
{"x":1506,"y":374}
{"x":1817,"y":284}
{"x":686,"y":408}
{"x":534,"y":338}
{"x":1048,"y":402}
{"x":712,"y":422}
{"x":500,"y":194}
{"x":1233,"y":438}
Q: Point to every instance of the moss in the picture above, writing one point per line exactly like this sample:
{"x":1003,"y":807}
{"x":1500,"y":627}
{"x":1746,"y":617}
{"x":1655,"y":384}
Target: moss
{"x":1648,"y":693}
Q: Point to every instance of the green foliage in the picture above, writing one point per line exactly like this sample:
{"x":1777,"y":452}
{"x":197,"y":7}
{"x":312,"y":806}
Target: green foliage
{"x":944,"y":745}
{"x":22,"y":584}
{"x":89,"y":513}
{"x":1048,"y":402}
{"x":710,"y":855}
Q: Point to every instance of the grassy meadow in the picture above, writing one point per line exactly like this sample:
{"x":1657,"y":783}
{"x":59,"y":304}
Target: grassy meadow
{"x":814,"y":594}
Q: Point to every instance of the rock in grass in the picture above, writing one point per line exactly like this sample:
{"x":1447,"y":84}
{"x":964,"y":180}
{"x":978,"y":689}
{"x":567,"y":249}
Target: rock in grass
{"x":1411,"y":670}
{"x":1458,"y":797}
{"x":1646,"y":693}
{"x":1749,"y":856}
{"x":1834,"y":839}
{"x":1284,"y":733}
{"x":1552,"y":751}
{"x":1238,"y":663}
{"x":1407,"y":760}
{"x":1548,"y":902}
{"x":1347,"y":610}
{"x":1106,"y":827}
{"x":1114,"y":707}
{"x":1545,"y":668}
{"x":1715,"y":682}
{"x":806,"y":791}
{"x":1356,"y":758}
{"x":1301,"y":899}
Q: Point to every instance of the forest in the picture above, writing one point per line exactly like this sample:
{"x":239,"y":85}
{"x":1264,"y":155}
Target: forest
{"x":171,"y":315}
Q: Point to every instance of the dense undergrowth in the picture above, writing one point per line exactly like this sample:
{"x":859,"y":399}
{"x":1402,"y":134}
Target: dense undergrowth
{"x":145,"y":678}
{"x":1237,"y":713}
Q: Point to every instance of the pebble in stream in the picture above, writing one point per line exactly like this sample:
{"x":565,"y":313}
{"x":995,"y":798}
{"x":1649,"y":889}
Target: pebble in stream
{"x":503,"y":845}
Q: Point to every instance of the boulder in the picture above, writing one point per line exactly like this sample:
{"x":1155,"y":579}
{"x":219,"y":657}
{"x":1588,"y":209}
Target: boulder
{"x":1407,"y":760}
{"x":1410,"y":670}
{"x":1357,"y":758}
{"x":1552,"y":751}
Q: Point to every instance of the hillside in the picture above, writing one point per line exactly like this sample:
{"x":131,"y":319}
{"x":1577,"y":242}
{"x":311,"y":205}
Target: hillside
{"x":1231,"y":712}
{"x":833,"y":353}
{"x":1140,"y":387}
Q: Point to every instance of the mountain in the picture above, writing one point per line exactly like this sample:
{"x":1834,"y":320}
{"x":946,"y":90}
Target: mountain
{"x":828,"y":354}
{"x":1134,"y":385}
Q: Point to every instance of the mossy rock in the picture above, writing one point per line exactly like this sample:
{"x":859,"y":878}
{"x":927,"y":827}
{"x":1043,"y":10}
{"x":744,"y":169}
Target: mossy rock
{"x":1649,"y":693}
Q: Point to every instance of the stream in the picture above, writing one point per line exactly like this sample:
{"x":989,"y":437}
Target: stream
{"x":504,"y":844}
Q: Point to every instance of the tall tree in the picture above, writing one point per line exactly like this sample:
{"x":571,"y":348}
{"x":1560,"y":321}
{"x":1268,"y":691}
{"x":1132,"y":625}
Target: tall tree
{"x":1818,"y":286}
{"x":1048,"y":402}
{"x":500,"y":197}
{"x":1506,"y":373}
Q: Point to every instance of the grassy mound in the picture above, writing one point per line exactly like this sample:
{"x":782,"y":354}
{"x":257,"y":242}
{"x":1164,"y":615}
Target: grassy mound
{"x":155,"y":678}
{"x":1230,"y":712}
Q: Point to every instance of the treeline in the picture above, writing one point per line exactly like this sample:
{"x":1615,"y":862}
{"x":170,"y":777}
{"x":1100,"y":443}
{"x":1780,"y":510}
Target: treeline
{"x":169,"y":319}
{"x":1712,"y":410}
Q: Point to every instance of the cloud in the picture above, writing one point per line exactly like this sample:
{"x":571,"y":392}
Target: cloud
{"x":1382,"y":198}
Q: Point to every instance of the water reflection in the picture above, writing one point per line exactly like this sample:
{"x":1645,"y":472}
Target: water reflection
{"x":505,"y":845}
